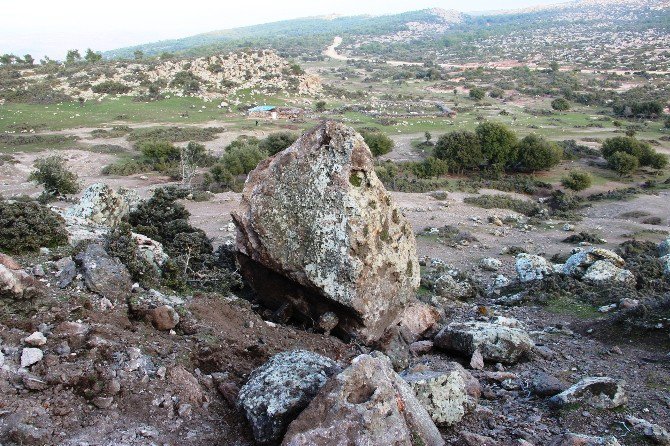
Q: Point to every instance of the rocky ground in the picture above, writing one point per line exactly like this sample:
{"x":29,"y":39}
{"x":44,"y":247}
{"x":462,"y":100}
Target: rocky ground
{"x":86,"y":363}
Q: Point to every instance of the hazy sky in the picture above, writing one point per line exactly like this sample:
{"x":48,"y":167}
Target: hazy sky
{"x":51,"y":27}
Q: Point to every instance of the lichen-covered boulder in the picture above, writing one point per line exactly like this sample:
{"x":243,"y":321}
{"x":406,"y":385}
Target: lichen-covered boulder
{"x":665,"y":261}
{"x":150,"y":250}
{"x":366,"y":404}
{"x":602,"y":272}
{"x":531,"y":267}
{"x":101,"y":205}
{"x":317,"y":229}
{"x":578,"y":263}
{"x":277,"y":391}
{"x":570,"y":439}
{"x":444,"y":394}
{"x":495,"y":342}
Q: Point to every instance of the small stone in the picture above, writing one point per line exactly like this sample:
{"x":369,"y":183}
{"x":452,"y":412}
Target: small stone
{"x":328,"y":321}
{"x":420,"y":347}
{"x":164,"y":317}
{"x":477,"y":360}
{"x":36,"y":339}
{"x":184,"y":410}
{"x":31,"y":356}
{"x":544,"y":384}
{"x":102,"y":402}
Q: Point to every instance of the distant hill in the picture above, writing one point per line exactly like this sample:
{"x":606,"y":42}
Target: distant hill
{"x":633,"y":34}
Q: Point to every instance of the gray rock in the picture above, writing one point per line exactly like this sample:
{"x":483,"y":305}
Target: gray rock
{"x":664,"y":248}
{"x":443,"y":393}
{"x":531,"y":267}
{"x":665,"y":260}
{"x":544,"y":384}
{"x":67,"y":271}
{"x":100,"y":205}
{"x":496,"y":343}
{"x":654,"y":432}
{"x":30,"y":356}
{"x":582,"y":440}
{"x":602,"y":272}
{"x":103,"y":274}
{"x":367,"y":404}
{"x":277,"y":391}
{"x":490,"y":264}
{"x":599,"y":392}
{"x":451,"y":288}
{"x":578,"y":263}
{"x":36,"y":339}
{"x":316,"y":215}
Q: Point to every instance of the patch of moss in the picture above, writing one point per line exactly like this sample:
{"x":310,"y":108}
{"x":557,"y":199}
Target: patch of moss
{"x":355,"y":179}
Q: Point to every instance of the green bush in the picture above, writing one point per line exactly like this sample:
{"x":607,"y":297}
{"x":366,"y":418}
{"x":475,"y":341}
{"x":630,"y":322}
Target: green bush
{"x":577,"y":180}
{"x":111,"y":87}
{"x":52,"y":173}
{"x":524,"y":207}
{"x":175,"y":134}
{"x":644,"y":154}
{"x":477,"y":93}
{"x":187,"y":81}
{"x":623,"y":163}
{"x":379,"y":143}
{"x":560,"y":104}
{"x":127,"y":167}
{"x":276,"y":142}
{"x":536,"y":153}
{"x":159,"y":153}
{"x":29,"y":226}
{"x":242,"y":159}
{"x":498,"y":143}
{"x":461,"y":149}
{"x":431,"y":167}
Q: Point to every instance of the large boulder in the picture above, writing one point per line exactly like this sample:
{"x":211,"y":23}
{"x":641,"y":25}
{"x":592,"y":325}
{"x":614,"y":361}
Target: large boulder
{"x":602,"y":272}
{"x":317,"y":229}
{"x":570,"y":439}
{"x":278,"y":390}
{"x":531,"y":267}
{"x":103,"y":274}
{"x":16,"y":283}
{"x":495,"y":342}
{"x":443,"y":393}
{"x":368,"y":403}
{"x":578,"y":264}
{"x":101,"y":205}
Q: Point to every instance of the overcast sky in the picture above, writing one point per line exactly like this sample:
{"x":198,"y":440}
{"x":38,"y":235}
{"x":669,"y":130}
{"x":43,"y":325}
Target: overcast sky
{"x":51,"y":27}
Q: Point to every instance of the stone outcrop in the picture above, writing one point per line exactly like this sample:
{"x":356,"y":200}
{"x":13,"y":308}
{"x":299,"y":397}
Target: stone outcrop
{"x":16,"y":283}
{"x":278,"y":390}
{"x":494,"y":342}
{"x":599,"y":392}
{"x":602,"y":272}
{"x":317,"y":229}
{"x":101,"y":205}
{"x":578,"y":264}
{"x":368,"y":403}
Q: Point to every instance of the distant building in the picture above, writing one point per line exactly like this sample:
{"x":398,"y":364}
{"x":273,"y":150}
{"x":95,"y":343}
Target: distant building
{"x":272,"y":112}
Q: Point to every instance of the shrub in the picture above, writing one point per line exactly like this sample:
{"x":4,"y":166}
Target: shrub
{"x":379,"y":143}
{"x":536,"y":153}
{"x":187,"y":81}
{"x":477,"y":93}
{"x":54,"y":176}
{"x":527,"y":208}
{"x":28,"y":226}
{"x":577,"y":180}
{"x":320,"y":106}
{"x":158,"y":153}
{"x":110,"y":87}
{"x":242,"y":159}
{"x":120,"y":243}
{"x":175,"y":134}
{"x":623,"y":163}
{"x":658,"y":160}
{"x":626,"y":144}
{"x":560,"y":104}
{"x":431,"y":167}
{"x":126,"y":167}
{"x":276,"y":142}
{"x":461,"y":149}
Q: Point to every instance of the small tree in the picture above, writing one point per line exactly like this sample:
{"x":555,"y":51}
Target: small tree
{"x":536,"y":153}
{"x":477,"y":93}
{"x":498,"y":143}
{"x":560,"y":104}
{"x":428,"y":137}
{"x":52,"y":173}
{"x":378,"y":143}
{"x":92,"y":56}
{"x":623,"y":163}
{"x":28,"y":60}
{"x":554,"y":67}
{"x":461,"y":149}
{"x":577,"y":180}
{"x":138,"y":54}
{"x":189,"y":158}
{"x":276,"y":142}
{"x":72,"y":56}
{"x":320,"y":106}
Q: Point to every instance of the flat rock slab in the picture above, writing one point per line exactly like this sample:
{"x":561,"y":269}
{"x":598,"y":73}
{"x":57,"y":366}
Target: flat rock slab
{"x":599,"y":392}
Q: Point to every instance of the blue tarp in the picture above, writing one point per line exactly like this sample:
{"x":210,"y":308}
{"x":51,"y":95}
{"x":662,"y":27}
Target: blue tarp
{"x":262,"y":108}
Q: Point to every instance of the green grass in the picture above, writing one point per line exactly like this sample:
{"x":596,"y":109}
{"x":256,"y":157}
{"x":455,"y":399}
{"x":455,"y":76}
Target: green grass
{"x":567,"y":306}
